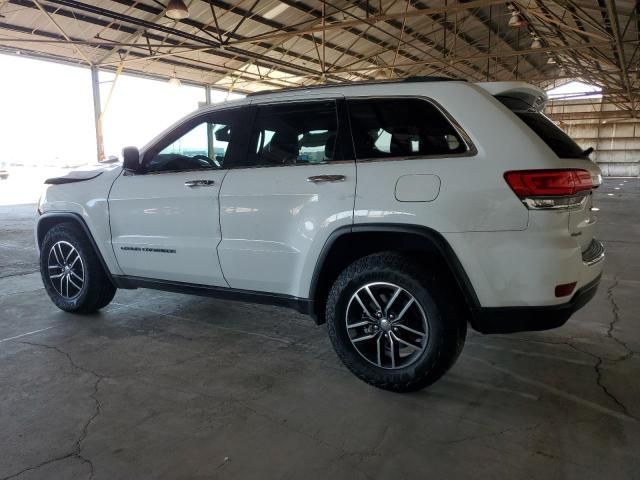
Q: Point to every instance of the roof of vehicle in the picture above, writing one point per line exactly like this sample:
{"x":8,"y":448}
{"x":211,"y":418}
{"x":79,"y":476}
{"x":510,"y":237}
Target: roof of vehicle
{"x":355,"y":84}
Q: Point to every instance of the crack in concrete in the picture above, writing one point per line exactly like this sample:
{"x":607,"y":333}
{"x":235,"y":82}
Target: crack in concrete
{"x":373,"y":453}
{"x":616,"y":318}
{"x":628,"y":352}
{"x":314,"y":436}
{"x":601,"y":360}
{"x":494,"y":434}
{"x":77,"y":451}
{"x":598,"y":368}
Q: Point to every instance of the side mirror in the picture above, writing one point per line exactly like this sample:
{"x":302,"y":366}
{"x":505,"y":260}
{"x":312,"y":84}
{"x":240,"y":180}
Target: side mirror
{"x":131,"y":159}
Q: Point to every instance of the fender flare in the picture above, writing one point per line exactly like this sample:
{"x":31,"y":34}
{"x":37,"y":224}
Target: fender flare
{"x":433,"y":237}
{"x":59,"y":217}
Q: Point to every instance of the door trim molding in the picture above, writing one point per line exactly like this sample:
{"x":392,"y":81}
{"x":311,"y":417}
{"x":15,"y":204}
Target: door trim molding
{"x":302,"y":305}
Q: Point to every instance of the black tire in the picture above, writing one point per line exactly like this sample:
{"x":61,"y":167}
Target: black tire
{"x":96,"y":290}
{"x":447,"y":327}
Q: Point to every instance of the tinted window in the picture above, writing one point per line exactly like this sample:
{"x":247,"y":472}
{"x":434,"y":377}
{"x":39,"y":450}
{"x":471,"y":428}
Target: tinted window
{"x":303,"y":133}
{"x":558,"y":141}
{"x":401,"y":127}
{"x":202,"y":144}
{"x":561,"y":143}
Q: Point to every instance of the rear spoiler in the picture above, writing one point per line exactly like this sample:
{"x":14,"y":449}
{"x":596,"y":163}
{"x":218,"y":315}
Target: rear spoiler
{"x":534,"y":97}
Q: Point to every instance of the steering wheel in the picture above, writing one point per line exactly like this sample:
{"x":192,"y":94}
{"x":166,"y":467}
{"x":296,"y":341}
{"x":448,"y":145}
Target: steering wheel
{"x":209,"y":161}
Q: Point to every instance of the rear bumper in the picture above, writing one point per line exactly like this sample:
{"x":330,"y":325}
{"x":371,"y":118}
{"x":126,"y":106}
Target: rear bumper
{"x":519,"y":319}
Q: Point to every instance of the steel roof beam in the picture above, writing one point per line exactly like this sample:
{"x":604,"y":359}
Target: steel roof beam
{"x":615,"y":26}
{"x":175,"y":32}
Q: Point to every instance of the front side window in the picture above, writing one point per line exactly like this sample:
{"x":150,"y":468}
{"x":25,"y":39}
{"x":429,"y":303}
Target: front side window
{"x":299,"y":133}
{"x":384,"y":128}
{"x":202,"y":144}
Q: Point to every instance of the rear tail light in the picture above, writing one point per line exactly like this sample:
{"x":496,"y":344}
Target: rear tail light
{"x":550,"y":189}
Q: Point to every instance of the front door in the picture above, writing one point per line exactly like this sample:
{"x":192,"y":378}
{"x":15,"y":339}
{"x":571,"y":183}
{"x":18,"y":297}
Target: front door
{"x":281,"y":203}
{"x":165,"y":221}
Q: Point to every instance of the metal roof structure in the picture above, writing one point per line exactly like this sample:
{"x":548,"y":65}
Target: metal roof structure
{"x":251,"y":45}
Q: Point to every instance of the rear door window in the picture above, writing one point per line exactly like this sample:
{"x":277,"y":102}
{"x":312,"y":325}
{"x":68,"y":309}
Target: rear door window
{"x":295,"y":134}
{"x":401,"y":127}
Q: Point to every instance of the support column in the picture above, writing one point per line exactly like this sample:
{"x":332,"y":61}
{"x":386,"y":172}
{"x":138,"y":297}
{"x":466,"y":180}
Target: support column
{"x":207,"y":100}
{"x":97,"y":111}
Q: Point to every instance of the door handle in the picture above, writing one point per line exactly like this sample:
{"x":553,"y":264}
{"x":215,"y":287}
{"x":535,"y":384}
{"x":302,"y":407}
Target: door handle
{"x":326,"y":178}
{"x":199,"y":183}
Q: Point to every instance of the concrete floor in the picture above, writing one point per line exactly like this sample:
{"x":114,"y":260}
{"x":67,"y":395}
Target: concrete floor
{"x":169,"y":386}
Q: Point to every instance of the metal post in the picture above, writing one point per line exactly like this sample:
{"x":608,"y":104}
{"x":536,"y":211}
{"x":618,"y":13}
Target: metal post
{"x":97,"y":111}
{"x":207,"y":100}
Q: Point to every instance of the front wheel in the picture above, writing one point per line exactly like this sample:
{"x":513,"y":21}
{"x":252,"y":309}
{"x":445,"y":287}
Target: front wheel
{"x":71,"y":271}
{"x":392,"y":325}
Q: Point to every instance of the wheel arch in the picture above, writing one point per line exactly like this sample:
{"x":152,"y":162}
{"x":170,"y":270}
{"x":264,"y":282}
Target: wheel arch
{"x":338,"y":252}
{"x":48,"y":220}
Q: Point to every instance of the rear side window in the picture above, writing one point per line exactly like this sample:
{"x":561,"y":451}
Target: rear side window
{"x":384,"y":128}
{"x":561,"y":143}
{"x":295,"y":133}
{"x":558,"y":141}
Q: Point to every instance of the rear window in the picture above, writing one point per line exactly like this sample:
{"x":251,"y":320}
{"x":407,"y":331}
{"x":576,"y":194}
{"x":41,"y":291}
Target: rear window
{"x":385,"y":128}
{"x":558,"y":141}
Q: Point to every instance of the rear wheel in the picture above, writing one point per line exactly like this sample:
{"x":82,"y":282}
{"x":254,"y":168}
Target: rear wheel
{"x":71,"y":272}
{"x":392,"y":325}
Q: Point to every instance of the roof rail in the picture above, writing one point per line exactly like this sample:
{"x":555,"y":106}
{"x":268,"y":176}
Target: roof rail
{"x":423,"y":79}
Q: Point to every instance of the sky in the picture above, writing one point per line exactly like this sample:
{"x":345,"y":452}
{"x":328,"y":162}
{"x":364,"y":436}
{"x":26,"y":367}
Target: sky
{"x":46,"y":111}
{"x":577,"y":90}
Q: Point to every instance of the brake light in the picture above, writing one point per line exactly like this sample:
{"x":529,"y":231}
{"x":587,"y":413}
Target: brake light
{"x":544,"y":189}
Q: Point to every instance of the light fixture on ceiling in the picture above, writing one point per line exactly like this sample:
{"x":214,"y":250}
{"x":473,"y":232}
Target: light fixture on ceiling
{"x":515,"y":20}
{"x":536,"y":43}
{"x":275,"y":11}
{"x":174,"y":81}
{"x":551,"y":61}
{"x":381,"y":74}
{"x":177,"y":10}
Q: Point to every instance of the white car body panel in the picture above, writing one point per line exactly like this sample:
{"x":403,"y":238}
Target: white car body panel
{"x":522,"y":268}
{"x":88,"y":199}
{"x":275,"y":223}
{"x":176,"y":226}
{"x":263,"y":229}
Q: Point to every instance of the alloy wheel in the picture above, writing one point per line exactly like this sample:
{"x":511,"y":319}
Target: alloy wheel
{"x":66,"y":270}
{"x":386,"y":325}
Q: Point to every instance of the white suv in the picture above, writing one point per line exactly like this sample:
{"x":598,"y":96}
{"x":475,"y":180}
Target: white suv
{"x":396,"y":212}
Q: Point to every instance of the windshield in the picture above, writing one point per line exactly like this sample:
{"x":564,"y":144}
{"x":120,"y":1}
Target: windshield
{"x":561,"y":143}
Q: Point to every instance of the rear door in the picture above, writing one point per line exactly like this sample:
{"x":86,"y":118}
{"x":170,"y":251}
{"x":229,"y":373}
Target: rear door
{"x":294,"y":188}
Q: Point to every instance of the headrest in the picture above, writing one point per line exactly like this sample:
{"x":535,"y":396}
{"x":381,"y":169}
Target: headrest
{"x":330,"y":147}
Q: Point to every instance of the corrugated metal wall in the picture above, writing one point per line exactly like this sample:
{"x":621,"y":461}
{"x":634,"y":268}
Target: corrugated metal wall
{"x":612,"y":132}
